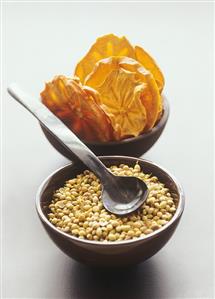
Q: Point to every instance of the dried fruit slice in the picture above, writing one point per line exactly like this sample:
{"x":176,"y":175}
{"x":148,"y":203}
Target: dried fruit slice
{"x":120,"y":99}
{"x":150,"y":98}
{"x":77,"y":107}
{"x":149,"y":63}
{"x":112,"y":45}
{"x":105,"y":46}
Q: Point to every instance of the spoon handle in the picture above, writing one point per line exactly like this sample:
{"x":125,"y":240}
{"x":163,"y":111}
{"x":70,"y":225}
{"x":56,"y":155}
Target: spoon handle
{"x":60,"y":131}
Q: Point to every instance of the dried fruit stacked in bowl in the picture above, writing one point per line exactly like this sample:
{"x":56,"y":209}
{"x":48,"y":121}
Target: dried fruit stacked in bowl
{"x":115,"y":92}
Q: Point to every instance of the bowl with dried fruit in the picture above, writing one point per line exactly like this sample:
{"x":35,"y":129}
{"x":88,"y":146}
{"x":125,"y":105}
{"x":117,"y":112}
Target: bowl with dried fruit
{"x":114,"y":101}
{"x":69,"y":206}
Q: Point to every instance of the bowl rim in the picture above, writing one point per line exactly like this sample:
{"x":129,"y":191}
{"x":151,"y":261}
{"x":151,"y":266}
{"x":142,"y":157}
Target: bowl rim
{"x":161,"y":122}
{"x":176,"y":216}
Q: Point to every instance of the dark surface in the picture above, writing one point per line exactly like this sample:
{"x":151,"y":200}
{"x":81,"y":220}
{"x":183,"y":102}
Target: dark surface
{"x":135,"y":282}
{"x":116,"y":253}
{"x":135,"y":146}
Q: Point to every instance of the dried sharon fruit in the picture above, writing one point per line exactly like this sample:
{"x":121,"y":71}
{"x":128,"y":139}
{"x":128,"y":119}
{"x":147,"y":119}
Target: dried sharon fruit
{"x":112,"y":45}
{"x":149,"y":63}
{"x":120,"y":99}
{"x":78,"y":108}
{"x":150,"y":96}
{"x":115,"y":94}
{"x":105,"y":46}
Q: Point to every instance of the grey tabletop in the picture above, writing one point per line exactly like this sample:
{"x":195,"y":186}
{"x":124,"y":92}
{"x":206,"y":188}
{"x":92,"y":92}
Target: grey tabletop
{"x":41,"y":40}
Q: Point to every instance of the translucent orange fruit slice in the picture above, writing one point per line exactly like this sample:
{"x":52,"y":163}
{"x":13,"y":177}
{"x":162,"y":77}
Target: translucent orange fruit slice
{"x":78,"y":108}
{"x":112,"y":45}
{"x":120,"y":94}
{"x":150,"y":98}
{"x":149,"y":63}
{"x":105,"y":46}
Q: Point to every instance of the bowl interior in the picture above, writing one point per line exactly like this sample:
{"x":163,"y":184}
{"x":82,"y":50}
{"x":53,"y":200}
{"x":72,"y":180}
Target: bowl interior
{"x":58,"y":178}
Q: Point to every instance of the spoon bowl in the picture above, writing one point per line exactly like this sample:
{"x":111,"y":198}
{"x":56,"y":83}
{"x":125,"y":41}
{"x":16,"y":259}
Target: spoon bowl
{"x":133,"y":193}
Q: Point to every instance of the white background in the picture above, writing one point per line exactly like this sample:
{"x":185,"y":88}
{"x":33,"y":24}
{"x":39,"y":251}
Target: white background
{"x":41,"y":40}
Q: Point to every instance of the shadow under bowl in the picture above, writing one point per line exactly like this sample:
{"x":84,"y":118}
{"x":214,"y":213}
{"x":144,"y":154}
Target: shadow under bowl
{"x":134,"y":146}
{"x":95,"y":253}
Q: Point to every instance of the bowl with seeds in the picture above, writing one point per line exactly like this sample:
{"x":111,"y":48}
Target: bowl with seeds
{"x":69,"y":206}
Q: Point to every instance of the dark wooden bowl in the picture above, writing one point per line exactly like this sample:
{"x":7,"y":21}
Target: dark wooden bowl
{"x":135,"y":146}
{"x":96,"y":253}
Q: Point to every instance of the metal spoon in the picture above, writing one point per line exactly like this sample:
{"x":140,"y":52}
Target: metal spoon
{"x":120,"y":195}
